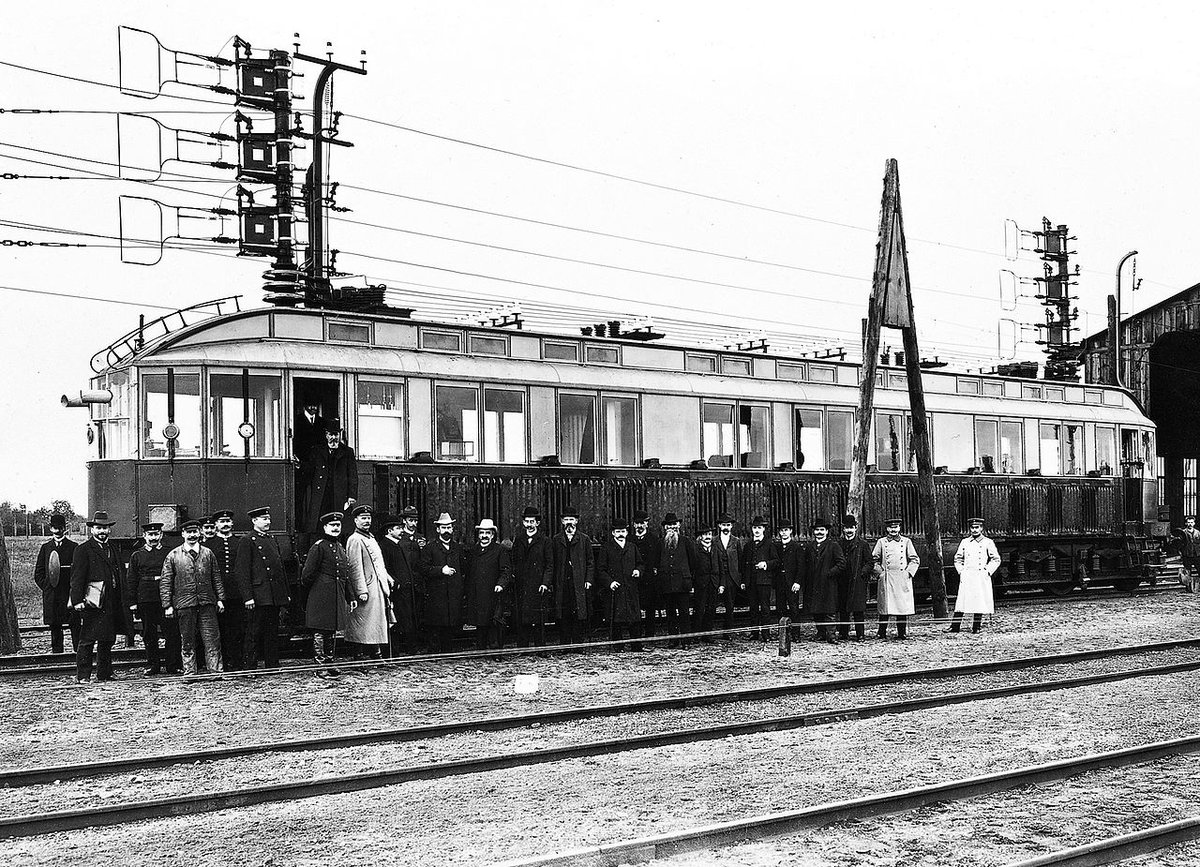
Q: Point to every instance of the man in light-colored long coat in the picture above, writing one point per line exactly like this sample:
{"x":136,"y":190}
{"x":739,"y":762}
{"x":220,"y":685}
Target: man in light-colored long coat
{"x":368,"y":621}
{"x":976,"y":561}
{"x":896,"y":563}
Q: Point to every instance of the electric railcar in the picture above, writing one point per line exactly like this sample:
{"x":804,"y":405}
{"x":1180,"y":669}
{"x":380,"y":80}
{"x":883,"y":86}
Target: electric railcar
{"x":194,"y":412}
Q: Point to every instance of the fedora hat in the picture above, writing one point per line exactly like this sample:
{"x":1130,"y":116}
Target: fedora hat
{"x":487,"y":524}
{"x":410,"y":512}
{"x":443,"y":518}
{"x":100,"y":519}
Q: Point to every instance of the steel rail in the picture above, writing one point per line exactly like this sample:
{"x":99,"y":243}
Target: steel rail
{"x":775,"y":824}
{"x":52,"y":773}
{"x":120,"y":813}
{"x":1114,"y":849}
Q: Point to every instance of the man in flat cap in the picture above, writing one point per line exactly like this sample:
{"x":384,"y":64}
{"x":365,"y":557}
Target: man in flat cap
{"x":191,"y":590}
{"x":852,"y":584}
{"x":649,"y":545}
{"x":401,"y":554}
{"x":97,"y":596}
{"x":532,"y":579}
{"x":443,"y":564}
{"x":52,"y":575}
{"x":370,"y":621}
{"x":572,"y":574}
{"x":896,"y":563}
{"x":825,"y":565}
{"x":760,"y":563}
{"x":232,"y":620}
{"x":263,"y":588}
{"x":329,"y":478}
{"x":144,"y":575}
{"x":976,"y":561}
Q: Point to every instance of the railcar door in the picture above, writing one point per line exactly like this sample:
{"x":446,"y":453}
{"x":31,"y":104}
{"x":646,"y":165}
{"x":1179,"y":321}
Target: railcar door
{"x":314,"y":399}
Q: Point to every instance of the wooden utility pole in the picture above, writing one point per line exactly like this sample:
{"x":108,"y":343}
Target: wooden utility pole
{"x":891,"y":306}
{"x":10,"y":633}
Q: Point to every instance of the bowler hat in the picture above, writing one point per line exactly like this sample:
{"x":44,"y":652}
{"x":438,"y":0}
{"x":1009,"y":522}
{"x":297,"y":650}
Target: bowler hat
{"x":443,"y":518}
{"x":332,"y":425}
{"x":785,"y":524}
{"x":849,"y":521}
{"x":759,"y":521}
{"x":819,"y":523}
{"x":487,"y":524}
{"x":190,"y":524}
{"x":330,"y":517}
{"x":58,"y":521}
{"x":100,"y":519}
{"x":670,"y":518}
{"x":618,"y":524}
{"x":390,"y":521}
{"x":410,"y":512}
{"x":259,"y":512}
{"x":724,"y":518}
{"x":531,"y":512}
{"x":569,"y":512}
{"x":641,"y":516}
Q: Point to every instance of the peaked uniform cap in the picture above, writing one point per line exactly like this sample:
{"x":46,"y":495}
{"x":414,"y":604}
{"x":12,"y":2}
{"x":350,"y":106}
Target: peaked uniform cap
{"x":330,"y":517}
{"x":151,"y":527}
{"x":364,"y":509}
{"x":222,"y":513}
{"x":190,"y":524}
{"x":259,"y":512}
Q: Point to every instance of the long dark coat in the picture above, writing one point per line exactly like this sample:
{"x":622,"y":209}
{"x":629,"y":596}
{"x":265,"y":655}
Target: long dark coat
{"x":852,"y":584}
{"x":324,"y":474}
{"x":572,"y":567}
{"x":676,"y":567}
{"x":326,"y":574}
{"x":825,"y":563}
{"x":444,"y":597}
{"x":401,"y":559}
{"x":793,"y":567}
{"x":91,"y":563}
{"x":487,"y":569}
{"x":617,"y":563}
{"x":258,"y":566}
{"x":56,"y":595}
{"x":532,"y":569}
{"x":754,"y":553}
{"x":225,"y":550}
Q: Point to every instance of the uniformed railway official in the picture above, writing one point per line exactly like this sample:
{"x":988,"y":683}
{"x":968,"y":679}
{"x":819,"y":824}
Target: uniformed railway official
{"x":263,"y":588}
{"x":896,"y":563}
{"x":326,"y":574}
{"x":52,"y":575}
{"x":370,"y":620}
{"x":232,"y":620}
{"x":976,"y":561}
{"x":143,"y":577}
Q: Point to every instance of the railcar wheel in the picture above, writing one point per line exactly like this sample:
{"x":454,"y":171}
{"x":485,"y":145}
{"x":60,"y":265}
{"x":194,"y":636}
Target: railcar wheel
{"x":1127,"y":585}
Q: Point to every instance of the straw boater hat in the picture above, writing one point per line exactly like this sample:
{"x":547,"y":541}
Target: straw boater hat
{"x":487,"y":524}
{"x":443,"y":518}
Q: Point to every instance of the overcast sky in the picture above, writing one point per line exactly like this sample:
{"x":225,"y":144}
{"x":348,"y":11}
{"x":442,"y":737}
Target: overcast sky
{"x":1082,"y":112}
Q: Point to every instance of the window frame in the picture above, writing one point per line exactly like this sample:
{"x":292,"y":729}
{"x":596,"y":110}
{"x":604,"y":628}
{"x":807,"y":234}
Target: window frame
{"x":400,"y":381}
{"x":441,"y":332}
{"x":142,"y":411}
{"x":738,"y":450}
{"x":281,"y":424}
{"x":480,"y":389}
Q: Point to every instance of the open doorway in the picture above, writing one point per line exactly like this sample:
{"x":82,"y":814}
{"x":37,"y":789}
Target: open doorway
{"x":313,"y":401}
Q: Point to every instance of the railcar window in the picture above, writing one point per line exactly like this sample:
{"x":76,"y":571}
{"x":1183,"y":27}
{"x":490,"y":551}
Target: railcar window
{"x":113,"y":421}
{"x":1189,"y":486}
{"x":840,"y":439}
{"x":1033,"y":392}
{"x":156,"y":415}
{"x":503,"y":426}
{"x":718,"y":442}
{"x":993,"y":389}
{"x":792,"y":372}
{"x":560,"y":351}
{"x":1106,"y":450}
{"x":620,"y":430}
{"x":987,"y":445}
{"x":351,"y":332}
{"x":701,"y":363}
{"x":227,"y":411}
{"x":1092,"y":397}
{"x":577,"y":428}
{"x":1055,"y":393}
{"x":754,"y":431}
{"x":1050,"y":448}
{"x":891,"y":442}
{"x":898,"y":380}
{"x":735,"y":366}
{"x":1073,"y":449}
{"x":968,"y":386}
{"x":446,"y":340}
{"x":822,"y":373}
{"x":456,"y":411}
{"x":1012,"y":447}
{"x":483,"y":345}
{"x":381,"y":419}
{"x":603,"y":355}
{"x":809,"y":440}
{"x":954,"y":442}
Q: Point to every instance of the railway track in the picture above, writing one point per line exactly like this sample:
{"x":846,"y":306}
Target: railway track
{"x":110,"y":814}
{"x":775,"y":824}
{"x":1113,"y":850}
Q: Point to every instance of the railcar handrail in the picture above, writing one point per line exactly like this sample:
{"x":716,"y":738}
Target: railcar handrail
{"x":130,"y":344}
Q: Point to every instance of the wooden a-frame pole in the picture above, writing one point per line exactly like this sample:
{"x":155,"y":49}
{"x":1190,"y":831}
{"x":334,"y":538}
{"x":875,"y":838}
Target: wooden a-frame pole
{"x":891,"y":305}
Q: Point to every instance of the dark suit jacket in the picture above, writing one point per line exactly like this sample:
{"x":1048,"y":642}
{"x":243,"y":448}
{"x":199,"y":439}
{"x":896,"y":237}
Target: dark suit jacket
{"x":402,"y":559}
{"x":93,"y":563}
{"x":825,"y":567}
{"x":258,"y":566}
{"x":572,"y":566}
{"x":677,"y":567}
{"x":444,"y":593}
{"x":55,"y":598}
{"x":322,"y":473}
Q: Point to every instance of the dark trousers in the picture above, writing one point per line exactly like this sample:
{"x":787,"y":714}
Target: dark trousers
{"x":729,"y":600}
{"x":490,"y":636}
{"x":650,"y":604}
{"x":704,"y":606}
{"x":860,"y":626}
{"x":760,"y":607}
{"x":232,"y":622}
{"x":261,"y":636}
{"x":57,"y":644}
{"x":83,"y":660}
{"x":403,"y":642}
{"x":155,"y":624}
{"x":200,"y":620}
{"x":676,"y":605}
{"x":632,"y":630}
{"x":956,"y":622}
{"x":901,"y":625}
{"x":824,"y":623}
{"x":324,"y":646}
{"x":441,"y":638}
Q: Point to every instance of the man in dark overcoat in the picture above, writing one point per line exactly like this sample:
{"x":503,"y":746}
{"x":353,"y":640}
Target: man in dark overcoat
{"x":326,"y":575}
{"x":401,"y":554}
{"x":263,"y":588}
{"x":142,"y":578}
{"x":760,"y":564}
{"x":328,"y":477}
{"x":97,"y":595}
{"x":649,"y":545}
{"x":852,"y":584}
{"x":793,"y":562}
{"x":572,"y":574}
{"x":308,"y":429}
{"x":532,"y":580}
{"x":826,"y":563}
{"x":52,"y":575}
{"x":232,"y":620}
{"x":489,"y":579}
{"x":675,"y":572}
{"x":619,"y":569}
{"x":443,"y":565}
{"x":705,"y":581}
{"x":727,"y":557}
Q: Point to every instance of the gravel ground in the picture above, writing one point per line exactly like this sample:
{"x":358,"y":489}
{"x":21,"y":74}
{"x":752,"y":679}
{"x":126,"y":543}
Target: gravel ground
{"x":991,"y":830}
{"x":497,"y":815}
